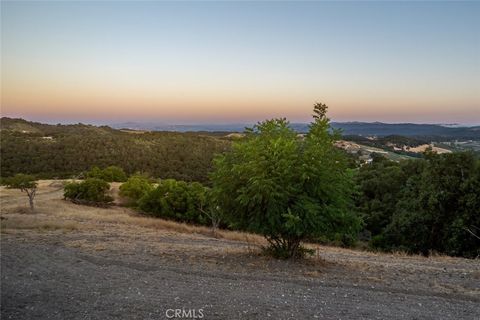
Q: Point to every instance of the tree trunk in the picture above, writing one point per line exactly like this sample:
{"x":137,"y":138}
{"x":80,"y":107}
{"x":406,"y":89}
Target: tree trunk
{"x":292,"y":246}
{"x":30,"y":199}
{"x":285,"y":248}
{"x":31,"y":195}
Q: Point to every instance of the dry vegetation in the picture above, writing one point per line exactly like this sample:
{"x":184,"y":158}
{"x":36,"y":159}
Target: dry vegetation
{"x":424,"y":147}
{"x":122,"y":232}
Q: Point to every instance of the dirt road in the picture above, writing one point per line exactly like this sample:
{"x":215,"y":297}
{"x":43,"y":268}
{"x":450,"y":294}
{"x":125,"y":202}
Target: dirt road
{"x":74,"y":262}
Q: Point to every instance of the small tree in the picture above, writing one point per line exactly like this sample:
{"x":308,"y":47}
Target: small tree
{"x":212,"y":211}
{"x":26,"y":183}
{"x":287,"y":188}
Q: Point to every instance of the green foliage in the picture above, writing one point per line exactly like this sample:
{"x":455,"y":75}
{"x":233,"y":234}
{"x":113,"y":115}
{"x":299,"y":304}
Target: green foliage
{"x":91,"y":190}
{"x":63,"y":151}
{"x":26,"y":183}
{"x":135,"y":188}
{"x":176,"y":200}
{"x":21,"y":181}
{"x":109,"y":174}
{"x":285,"y":187}
{"x":423,"y":205}
{"x":380,"y":184}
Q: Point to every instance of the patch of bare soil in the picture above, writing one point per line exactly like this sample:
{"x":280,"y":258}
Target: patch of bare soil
{"x":68,"y":261}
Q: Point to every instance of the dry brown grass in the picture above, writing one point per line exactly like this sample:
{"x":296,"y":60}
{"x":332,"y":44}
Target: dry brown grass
{"x":424,"y":147}
{"x":51,"y":206}
{"x":125,"y":216}
{"x":36,"y":223}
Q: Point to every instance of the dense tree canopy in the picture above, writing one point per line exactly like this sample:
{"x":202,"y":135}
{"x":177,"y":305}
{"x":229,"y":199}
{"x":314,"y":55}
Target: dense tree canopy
{"x":109,"y":174}
{"x":423,"y":205}
{"x":65,"y":151}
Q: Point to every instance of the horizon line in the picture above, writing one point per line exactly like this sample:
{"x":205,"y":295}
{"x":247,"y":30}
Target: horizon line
{"x":218,"y":123}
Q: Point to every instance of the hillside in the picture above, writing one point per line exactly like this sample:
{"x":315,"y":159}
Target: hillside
{"x":425,"y":131}
{"x":67,"y":150}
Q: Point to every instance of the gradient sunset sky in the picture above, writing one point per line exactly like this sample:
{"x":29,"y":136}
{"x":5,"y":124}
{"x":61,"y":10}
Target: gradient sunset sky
{"x":207,"y":62}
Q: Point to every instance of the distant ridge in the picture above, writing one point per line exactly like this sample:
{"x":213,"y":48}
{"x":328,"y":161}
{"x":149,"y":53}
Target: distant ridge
{"x":348,"y":128}
{"x":366,"y":129}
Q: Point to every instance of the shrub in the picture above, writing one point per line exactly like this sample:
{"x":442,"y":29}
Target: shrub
{"x":109,"y":174}
{"x":177,"y":200}
{"x":91,"y":190}
{"x":135,"y":188}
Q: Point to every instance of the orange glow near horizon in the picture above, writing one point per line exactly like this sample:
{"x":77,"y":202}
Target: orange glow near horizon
{"x":126,"y":102}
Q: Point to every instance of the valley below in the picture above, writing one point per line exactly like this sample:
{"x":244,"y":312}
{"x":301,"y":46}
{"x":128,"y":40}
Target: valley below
{"x":68,"y":261}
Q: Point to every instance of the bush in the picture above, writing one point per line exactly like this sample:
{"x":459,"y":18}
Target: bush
{"x":135,"y":188}
{"x":177,"y":200}
{"x":109,"y":174}
{"x":91,"y":190}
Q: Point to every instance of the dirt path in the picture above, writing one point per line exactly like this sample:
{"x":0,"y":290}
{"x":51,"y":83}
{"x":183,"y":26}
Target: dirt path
{"x":75,"y":262}
{"x":55,"y":282}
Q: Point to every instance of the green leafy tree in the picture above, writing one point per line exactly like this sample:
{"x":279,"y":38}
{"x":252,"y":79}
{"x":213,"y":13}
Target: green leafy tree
{"x":26,"y":183}
{"x":288,"y":188}
{"x":135,"y":188}
{"x":90,"y":191}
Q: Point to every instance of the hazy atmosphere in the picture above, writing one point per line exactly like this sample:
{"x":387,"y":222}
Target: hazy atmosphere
{"x":107,"y":62}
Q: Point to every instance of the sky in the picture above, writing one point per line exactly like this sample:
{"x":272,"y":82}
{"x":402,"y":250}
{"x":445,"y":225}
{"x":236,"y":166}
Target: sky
{"x":234,"y":62}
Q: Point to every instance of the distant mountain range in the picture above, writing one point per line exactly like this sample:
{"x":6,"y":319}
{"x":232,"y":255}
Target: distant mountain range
{"x":433,"y":132}
{"x":235,"y":127}
{"x":348,"y":128}
{"x":407,"y":129}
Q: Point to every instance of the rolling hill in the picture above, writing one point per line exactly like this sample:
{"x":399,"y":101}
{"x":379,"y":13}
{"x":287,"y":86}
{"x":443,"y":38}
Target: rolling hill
{"x":67,"y":150}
